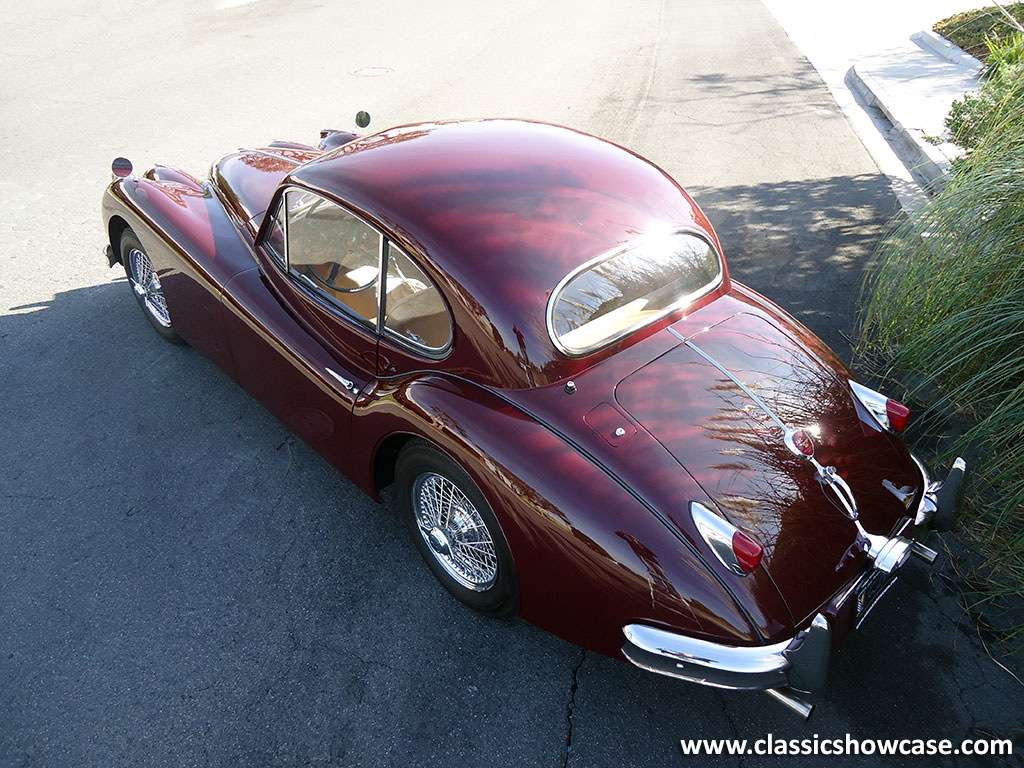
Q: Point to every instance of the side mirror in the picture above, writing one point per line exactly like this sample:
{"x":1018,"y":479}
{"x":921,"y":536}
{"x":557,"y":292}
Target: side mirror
{"x":121,"y":168}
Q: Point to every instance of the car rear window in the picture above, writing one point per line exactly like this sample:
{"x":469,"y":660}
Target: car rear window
{"x":629,"y":288}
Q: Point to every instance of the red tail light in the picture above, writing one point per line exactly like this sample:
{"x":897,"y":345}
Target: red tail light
{"x":899,"y":415}
{"x":874,"y":408}
{"x":748,"y":552}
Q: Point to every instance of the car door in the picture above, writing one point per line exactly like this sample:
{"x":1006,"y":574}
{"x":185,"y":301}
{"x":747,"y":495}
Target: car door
{"x":304,"y":326}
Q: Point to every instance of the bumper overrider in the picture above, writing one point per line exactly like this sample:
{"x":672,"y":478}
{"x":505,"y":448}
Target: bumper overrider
{"x":794,"y":668}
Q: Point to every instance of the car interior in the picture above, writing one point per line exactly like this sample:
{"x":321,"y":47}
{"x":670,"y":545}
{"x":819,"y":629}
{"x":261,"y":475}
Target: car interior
{"x":338,"y":255}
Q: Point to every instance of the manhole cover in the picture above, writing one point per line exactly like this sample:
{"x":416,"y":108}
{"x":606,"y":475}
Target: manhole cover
{"x":371,"y":71}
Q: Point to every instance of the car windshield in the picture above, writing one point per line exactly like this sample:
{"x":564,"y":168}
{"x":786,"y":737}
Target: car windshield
{"x":629,"y":288}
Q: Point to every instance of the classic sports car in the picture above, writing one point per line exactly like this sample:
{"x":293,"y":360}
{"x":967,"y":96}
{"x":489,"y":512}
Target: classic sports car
{"x":532,"y":332}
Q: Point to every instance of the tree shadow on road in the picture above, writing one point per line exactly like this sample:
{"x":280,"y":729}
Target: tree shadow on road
{"x":804,"y":244}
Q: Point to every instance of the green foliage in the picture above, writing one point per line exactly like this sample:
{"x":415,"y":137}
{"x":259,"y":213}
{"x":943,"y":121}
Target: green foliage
{"x":974,"y":117}
{"x":1003,"y":53}
{"x":971,"y":30}
{"x":967,"y":121}
{"x":945,"y":312}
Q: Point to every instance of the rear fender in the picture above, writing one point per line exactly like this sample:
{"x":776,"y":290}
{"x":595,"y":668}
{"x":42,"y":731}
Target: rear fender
{"x":589,"y":558}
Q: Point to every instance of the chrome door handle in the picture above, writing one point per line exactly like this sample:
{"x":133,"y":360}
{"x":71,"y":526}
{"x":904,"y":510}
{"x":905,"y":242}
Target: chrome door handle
{"x":346,"y":383}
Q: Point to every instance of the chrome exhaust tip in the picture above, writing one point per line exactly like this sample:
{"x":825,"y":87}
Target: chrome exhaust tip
{"x":788,"y":698}
{"x":925,"y":553}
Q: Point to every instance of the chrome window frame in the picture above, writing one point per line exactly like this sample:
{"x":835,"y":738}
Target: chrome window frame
{"x":682,"y":302}
{"x":308,"y":285}
{"x":271,"y":217}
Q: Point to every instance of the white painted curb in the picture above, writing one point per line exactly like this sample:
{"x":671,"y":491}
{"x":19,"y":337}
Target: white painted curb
{"x":925,"y":159}
{"x":941,"y":47}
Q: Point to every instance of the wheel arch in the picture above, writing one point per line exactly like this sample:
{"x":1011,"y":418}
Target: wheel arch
{"x":116,"y":228}
{"x":571,"y":530}
{"x":385,"y":459}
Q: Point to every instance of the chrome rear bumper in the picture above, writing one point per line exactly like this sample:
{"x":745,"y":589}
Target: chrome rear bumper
{"x":797,"y":667}
{"x":788,"y":668}
{"x":938,"y":508}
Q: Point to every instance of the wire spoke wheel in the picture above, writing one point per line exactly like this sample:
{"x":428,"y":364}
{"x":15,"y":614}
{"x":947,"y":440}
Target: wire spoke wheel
{"x":146,"y":285}
{"x":454,"y":531}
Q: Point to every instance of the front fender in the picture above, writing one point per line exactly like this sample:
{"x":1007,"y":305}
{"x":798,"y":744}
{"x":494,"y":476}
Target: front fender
{"x":193,"y":245}
{"x":180,"y":220}
{"x":589,"y":558}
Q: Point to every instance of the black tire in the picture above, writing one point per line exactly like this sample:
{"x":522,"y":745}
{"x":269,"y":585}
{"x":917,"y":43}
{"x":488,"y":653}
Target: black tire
{"x":145,"y":286}
{"x":456,"y":548}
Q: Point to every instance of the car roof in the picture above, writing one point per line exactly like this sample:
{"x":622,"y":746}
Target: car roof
{"x":504,"y":209}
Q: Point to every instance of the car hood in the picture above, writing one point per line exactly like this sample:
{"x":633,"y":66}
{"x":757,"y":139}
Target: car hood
{"x":248,"y":178}
{"x":689,"y":400}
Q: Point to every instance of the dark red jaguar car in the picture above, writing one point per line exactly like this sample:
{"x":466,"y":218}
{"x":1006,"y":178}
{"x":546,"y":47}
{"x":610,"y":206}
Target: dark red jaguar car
{"x":533,"y":333}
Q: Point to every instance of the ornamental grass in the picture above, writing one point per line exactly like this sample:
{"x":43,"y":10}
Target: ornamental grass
{"x":943,"y":323}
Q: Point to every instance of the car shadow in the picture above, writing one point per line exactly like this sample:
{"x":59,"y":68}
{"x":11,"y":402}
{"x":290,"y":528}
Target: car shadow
{"x":204,"y":585}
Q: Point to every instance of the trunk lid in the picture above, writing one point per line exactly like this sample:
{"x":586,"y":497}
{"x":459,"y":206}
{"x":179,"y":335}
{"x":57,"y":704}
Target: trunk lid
{"x":735,"y":450}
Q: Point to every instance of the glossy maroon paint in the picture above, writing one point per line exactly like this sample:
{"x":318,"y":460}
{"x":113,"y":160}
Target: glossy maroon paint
{"x":505,"y":209}
{"x":497,"y":212}
{"x":248,"y":178}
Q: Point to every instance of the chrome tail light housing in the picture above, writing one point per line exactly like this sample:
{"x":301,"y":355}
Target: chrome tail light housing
{"x":874,"y":408}
{"x":736,"y":550}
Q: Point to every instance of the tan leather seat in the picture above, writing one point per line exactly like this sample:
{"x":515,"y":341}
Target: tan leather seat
{"x":420,"y":317}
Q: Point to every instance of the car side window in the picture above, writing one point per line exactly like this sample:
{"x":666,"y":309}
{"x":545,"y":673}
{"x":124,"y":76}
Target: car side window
{"x":413,"y":309}
{"x":333,"y":252}
{"x":275,"y":236}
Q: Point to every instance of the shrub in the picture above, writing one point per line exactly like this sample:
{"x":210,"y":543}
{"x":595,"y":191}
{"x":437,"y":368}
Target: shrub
{"x":975,"y":116}
{"x":972,"y":29}
{"x":945,"y":312}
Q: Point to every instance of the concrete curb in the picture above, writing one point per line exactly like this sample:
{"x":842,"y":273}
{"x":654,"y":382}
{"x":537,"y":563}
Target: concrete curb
{"x":923,"y":158}
{"x":941,"y":47}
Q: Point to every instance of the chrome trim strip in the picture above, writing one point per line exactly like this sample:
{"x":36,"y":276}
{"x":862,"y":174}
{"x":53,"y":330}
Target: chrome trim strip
{"x":382,"y":278}
{"x":617,"y":251}
{"x":737,"y":382}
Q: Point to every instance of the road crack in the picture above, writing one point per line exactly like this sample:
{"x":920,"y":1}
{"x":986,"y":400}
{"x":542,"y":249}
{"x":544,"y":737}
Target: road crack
{"x":572,"y":706}
{"x":732,"y":725}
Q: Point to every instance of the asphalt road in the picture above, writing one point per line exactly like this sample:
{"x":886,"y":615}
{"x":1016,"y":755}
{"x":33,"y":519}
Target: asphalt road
{"x":184,"y":583}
